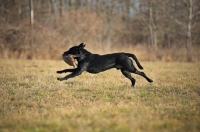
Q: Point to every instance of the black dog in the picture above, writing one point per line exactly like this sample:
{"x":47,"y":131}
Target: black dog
{"x":94,"y":63}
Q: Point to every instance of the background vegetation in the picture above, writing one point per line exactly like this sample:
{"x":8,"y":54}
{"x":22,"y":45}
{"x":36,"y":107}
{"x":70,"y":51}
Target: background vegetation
{"x":155,"y":29}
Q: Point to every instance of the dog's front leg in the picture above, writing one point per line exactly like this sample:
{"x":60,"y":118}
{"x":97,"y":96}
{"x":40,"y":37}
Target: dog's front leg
{"x":66,"y":70}
{"x":76,"y":72}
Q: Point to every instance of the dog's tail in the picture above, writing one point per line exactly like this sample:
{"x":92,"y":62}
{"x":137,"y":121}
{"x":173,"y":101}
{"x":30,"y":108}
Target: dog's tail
{"x":136,"y":60}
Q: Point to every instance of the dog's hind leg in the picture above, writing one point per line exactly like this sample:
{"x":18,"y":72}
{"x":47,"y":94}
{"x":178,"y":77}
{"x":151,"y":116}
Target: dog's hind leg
{"x":127,"y":74}
{"x":128,"y":66}
{"x":143,"y":74}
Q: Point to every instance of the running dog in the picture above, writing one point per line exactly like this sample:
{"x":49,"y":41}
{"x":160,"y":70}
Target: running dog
{"x":94,"y":63}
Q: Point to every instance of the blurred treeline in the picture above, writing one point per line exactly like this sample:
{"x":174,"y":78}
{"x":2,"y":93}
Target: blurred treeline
{"x":156,"y":29}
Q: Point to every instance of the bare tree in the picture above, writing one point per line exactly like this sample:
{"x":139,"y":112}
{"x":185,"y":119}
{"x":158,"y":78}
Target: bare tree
{"x":148,"y":10}
{"x":152,"y":25}
{"x":184,"y":16}
{"x":190,"y":5}
{"x":31,"y":12}
{"x":60,"y":8}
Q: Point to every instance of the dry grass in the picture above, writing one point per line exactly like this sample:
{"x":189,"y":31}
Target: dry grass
{"x":33,"y":100}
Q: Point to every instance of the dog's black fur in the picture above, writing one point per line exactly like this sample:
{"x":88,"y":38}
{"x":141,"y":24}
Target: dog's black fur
{"x":94,"y":63}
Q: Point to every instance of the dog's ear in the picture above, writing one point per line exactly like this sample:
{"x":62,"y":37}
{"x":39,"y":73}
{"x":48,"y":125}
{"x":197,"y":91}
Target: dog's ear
{"x":82,"y":45}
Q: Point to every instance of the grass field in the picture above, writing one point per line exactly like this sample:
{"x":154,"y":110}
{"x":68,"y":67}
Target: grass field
{"x":33,"y":100}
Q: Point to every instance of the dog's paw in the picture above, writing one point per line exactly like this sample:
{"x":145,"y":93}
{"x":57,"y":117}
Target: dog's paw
{"x":59,"y":72}
{"x":149,"y":80}
{"x":140,"y":67}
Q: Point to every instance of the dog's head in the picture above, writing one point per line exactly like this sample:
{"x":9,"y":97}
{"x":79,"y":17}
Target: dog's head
{"x":73,"y":54}
{"x":75,"y":50}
